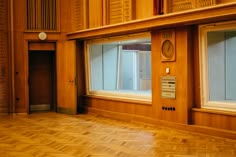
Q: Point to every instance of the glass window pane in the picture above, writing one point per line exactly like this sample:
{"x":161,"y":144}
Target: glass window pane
{"x":121,"y":66}
{"x":221,"y":65}
{"x":230,"y":49}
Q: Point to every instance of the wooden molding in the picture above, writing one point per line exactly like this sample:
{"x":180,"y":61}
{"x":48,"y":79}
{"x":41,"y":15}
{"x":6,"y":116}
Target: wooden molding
{"x":48,"y":46}
{"x":103,"y":97}
{"x":213,"y":111}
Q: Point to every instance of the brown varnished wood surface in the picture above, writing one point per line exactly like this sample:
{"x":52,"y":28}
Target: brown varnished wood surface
{"x":195,"y":16}
{"x":58,"y":135}
{"x":181,"y":69}
{"x":40,"y":77}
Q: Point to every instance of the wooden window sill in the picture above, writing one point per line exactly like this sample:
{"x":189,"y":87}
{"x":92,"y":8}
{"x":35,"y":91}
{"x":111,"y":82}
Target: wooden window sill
{"x":120,"y":99}
{"x":214,"y":111}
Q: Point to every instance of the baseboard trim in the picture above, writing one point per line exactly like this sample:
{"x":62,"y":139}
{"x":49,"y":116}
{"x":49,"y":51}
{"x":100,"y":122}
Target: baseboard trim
{"x":148,"y":120}
{"x":40,"y":107}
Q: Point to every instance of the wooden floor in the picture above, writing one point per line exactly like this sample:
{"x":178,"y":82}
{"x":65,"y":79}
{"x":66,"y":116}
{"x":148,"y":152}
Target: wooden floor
{"x":58,"y":135}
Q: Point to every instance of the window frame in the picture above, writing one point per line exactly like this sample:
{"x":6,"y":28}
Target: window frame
{"x":203,"y":65}
{"x":126,"y":96}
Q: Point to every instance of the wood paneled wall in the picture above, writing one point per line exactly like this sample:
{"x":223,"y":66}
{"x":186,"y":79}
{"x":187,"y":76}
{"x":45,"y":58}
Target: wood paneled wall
{"x":144,"y":9}
{"x":120,"y":11}
{"x":95,"y":13}
{"x":4,"y":57}
{"x":215,"y":119}
{"x":78,"y":12}
{"x":22,"y":38}
{"x":42,"y":15}
{"x":182,"y":69}
{"x":122,"y":110}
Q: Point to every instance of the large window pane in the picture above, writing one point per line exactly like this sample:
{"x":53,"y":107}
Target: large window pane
{"x":121,"y":66}
{"x":221,"y":65}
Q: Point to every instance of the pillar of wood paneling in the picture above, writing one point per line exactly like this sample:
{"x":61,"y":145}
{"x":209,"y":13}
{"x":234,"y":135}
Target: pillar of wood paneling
{"x":4,"y":58}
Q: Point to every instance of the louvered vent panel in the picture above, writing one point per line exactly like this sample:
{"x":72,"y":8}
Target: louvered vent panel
{"x":181,"y":5}
{"x":42,"y":15}
{"x":115,"y":11}
{"x":127,"y":12}
{"x":77,"y":15}
{"x":119,"y":11}
{"x":4,"y":73}
{"x":203,"y":3}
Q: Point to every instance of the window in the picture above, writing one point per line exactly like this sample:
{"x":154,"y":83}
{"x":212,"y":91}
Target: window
{"x":120,"y":67}
{"x":218,"y":64}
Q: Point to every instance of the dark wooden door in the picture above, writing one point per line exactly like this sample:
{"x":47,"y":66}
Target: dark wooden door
{"x":41,"y":78}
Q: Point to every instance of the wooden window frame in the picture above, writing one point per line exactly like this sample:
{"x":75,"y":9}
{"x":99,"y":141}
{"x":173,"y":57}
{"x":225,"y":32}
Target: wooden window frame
{"x":106,"y":94}
{"x":203,"y":60}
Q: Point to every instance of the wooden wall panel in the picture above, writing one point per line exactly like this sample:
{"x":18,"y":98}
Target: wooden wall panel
{"x":64,"y":17}
{"x":144,"y":9}
{"x":214,"y":120}
{"x":120,"y":11}
{"x":42,"y":14}
{"x":127,"y":111}
{"x":226,"y":1}
{"x":95,"y":13}
{"x":21,"y":40}
{"x":78,"y":14}
{"x":19,"y":15}
{"x":4,"y":57}
{"x":182,"y":70}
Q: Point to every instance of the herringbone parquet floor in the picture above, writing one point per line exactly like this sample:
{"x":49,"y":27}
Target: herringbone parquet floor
{"x":58,"y":135}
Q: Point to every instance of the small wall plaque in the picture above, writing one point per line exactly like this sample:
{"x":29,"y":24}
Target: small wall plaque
{"x":168,"y":87}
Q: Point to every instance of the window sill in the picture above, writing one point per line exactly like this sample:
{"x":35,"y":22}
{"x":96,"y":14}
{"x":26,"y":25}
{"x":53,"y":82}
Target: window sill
{"x":121,"y":99}
{"x":214,"y":111}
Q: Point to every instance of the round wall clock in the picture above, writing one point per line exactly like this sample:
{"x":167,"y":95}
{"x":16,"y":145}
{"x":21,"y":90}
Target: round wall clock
{"x":168,"y":45}
{"x":42,"y":36}
{"x":167,"y":49}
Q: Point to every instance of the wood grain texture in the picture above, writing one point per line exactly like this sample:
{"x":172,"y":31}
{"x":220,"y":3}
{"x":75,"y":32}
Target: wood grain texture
{"x":21,"y":39}
{"x":55,"y":135}
{"x":181,"y":69}
{"x":144,"y":9}
{"x":42,"y":15}
{"x":121,"y":107}
{"x":95,"y":13}
{"x":50,"y":46}
{"x":225,"y":133}
{"x":4,"y":57}
{"x":222,"y":12}
{"x":209,"y":118}
{"x":79,"y":17}
{"x":66,"y":77}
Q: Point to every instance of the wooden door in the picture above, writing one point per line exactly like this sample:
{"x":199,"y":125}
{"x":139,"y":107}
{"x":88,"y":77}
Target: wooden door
{"x":40,"y":80}
{"x":66,"y":74}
